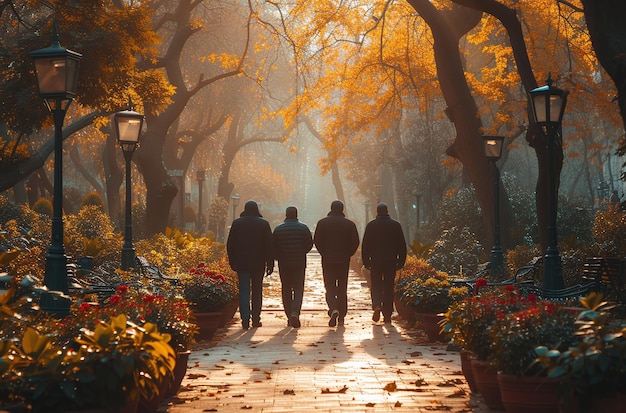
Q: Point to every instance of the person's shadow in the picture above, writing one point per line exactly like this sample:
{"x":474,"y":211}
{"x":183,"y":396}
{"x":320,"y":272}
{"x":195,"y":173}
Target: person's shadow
{"x":384,"y":343}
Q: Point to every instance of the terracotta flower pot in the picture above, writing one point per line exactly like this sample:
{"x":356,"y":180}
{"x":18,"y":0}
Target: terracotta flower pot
{"x":529,"y":394}
{"x":180,"y":369}
{"x":429,"y":323}
{"x":208,"y":323}
{"x":487,"y":382}
{"x":466,"y":368}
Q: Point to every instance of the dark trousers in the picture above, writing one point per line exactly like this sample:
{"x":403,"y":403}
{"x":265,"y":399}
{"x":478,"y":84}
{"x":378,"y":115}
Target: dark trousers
{"x":250,"y":284}
{"x":383,"y":276}
{"x":336,"y":284}
{"x":292,"y":283}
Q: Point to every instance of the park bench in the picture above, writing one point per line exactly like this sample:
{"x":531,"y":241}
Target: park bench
{"x":152,"y":272}
{"x":607,"y":276}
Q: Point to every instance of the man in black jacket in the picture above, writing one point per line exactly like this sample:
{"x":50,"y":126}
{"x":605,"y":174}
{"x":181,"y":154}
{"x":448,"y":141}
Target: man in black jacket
{"x":291,"y":241}
{"x":383,"y":252}
{"x":336,"y":239}
{"x":249,"y":248}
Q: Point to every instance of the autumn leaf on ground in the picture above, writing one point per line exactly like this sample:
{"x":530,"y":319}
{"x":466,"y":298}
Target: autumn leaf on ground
{"x":397,"y":404}
{"x":421,"y":382}
{"x":276,"y":362}
{"x":289,"y":392}
{"x":195,"y":376}
{"x":408,"y":362}
{"x":390,"y":387}
{"x":457,"y":393}
{"x":370,"y":404}
{"x":341,"y":390}
{"x":416,"y":354}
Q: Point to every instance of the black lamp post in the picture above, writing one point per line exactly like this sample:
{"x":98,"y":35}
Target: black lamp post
{"x":548,"y":105}
{"x":493,"y":151}
{"x":57,"y":76}
{"x":235,"y":199}
{"x":200,"y":175}
{"x":128,"y":125}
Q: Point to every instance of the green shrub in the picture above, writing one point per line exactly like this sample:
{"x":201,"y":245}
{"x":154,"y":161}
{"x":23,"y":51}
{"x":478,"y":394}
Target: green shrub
{"x":609,"y":228}
{"x":43,"y":206}
{"x":457,"y":251}
{"x":92,"y":199}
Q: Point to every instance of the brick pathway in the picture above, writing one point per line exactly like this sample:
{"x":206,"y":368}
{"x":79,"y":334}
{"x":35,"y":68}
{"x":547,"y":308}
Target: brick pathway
{"x":361,"y":367}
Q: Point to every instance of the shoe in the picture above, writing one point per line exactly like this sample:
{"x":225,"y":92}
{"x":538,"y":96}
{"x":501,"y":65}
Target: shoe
{"x":340,"y":322}
{"x":387,"y":319}
{"x":333,"y":318}
{"x":376,"y":315}
{"x":295,"y":321}
{"x":245,"y":324}
{"x":256,"y":324}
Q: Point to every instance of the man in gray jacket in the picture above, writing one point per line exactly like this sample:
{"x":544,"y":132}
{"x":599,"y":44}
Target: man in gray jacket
{"x":383,"y":252}
{"x":292,"y":241}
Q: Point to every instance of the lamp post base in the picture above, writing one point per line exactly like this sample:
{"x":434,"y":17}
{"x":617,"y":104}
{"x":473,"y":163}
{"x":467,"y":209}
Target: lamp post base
{"x":496,"y":263}
{"x":552,"y":272}
{"x":56,"y":301}
{"x":128,"y":258}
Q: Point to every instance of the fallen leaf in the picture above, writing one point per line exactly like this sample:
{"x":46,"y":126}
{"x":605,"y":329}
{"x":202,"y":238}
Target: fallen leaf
{"x":398,"y":404}
{"x":408,"y":362}
{"x":370,"y":404}
{"x":340,"y":391}
{"x":416,"y":354}
{"x":276,"y":362}
{"x":390,"y":387}
{"x":289,"y":392}
{"x":246,"y":407}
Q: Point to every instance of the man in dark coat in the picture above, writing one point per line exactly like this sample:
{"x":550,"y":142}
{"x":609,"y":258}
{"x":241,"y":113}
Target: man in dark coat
{"x":249,"y":248}
{"x":291,"y":241}
{"x":336,"y":239}
{"x":383,"y":252}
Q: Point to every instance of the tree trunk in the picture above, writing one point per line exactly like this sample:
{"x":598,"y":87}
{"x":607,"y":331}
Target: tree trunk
{"x":447,"y":28}
{"x":113,"y":178}
{"x":605,"y":22}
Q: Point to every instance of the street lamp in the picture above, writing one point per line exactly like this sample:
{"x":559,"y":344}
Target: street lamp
{"x":128,"y":125}
{"x":57,"y":75}
{"x":200,"y":175}
{"x":235,"y":199}
{"x":548,"y":105}
{"x":493,"y":151}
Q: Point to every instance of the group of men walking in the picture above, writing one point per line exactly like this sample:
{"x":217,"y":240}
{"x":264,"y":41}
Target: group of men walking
{"x":252,"y":248}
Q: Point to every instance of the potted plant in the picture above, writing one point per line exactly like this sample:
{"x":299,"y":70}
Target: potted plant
{"x":426,"y":294}
{"x":108,"y":367}
{"x":208,"y":293}
{"x":468,"y":322}
{"x":593,"y":368}
{"x":514,"y":336}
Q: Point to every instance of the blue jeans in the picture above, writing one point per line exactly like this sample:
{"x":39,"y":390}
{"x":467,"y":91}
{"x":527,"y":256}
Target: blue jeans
{"x":249,"y":279}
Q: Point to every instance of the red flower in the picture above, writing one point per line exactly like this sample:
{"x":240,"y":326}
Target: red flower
{"x":121,"y":288}
{"x":481,"y":282}
{"x":201,"y":265}
{"x":115,"y":299}
{"x":509,"y":288}
{"x":84,"y":307}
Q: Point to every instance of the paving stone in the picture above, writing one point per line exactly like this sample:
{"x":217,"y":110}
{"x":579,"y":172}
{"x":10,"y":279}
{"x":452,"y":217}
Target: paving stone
{"x":360,"y":367}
